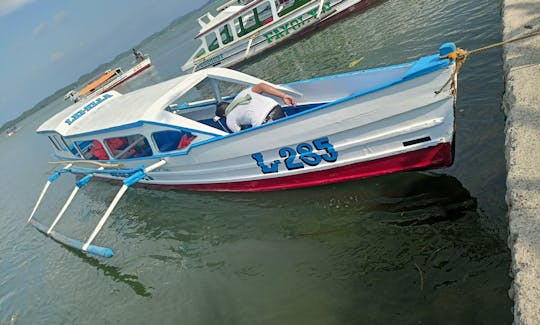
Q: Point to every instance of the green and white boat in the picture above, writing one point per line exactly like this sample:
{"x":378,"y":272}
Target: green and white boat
{"x":239,"y":32}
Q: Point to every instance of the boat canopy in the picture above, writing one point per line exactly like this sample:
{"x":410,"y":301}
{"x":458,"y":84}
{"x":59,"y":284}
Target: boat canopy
{"x":113,"y":110}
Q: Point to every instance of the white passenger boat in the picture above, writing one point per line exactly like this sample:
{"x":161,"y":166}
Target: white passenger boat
{"x":239,"y":32}
{"x":344,"y":127}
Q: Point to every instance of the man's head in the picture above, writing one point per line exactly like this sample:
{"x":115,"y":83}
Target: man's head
{"x":220,"y":109}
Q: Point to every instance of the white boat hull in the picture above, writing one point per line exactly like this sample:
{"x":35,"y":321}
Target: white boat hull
{"x":403,"y":127}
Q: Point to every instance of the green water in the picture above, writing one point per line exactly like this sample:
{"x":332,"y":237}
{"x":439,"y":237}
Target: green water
{"x":411,"y":248}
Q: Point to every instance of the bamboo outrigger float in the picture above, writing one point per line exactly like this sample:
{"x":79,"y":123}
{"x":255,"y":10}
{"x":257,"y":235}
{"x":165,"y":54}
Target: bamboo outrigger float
{"x":344,"y":127}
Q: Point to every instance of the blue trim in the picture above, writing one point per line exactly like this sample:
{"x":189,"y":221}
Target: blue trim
{"x":100,"y":251}
{"x":135,"y":125}
{"x":134,"y":178}
{"x":113,"y":172}
{"x":352,"y":73}
{"x":426,"y":65}
{"x":54,"y":177}
{"x":83,"y":181}
{"x":447,"y":48}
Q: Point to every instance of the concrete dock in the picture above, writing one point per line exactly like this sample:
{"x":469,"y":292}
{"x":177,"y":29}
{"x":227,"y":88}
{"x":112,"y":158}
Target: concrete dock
{"x":522,"y":109}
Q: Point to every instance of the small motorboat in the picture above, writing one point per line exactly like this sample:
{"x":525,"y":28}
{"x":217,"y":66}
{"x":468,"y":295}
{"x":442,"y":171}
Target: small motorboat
{"x":344,"y":127}
{"x":11,"y":131}
{"x":110,"y":79}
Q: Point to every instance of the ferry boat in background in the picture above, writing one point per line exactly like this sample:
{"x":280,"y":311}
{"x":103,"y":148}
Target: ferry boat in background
{"x":241,"y":30}
{"x":110,"y":79}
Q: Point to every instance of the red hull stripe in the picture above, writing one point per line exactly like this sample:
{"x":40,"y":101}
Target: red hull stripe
{"x":428,"y":158}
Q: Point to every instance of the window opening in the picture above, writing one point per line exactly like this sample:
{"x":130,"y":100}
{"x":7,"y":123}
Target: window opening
{"x":92,"y":150}
{"x":54,"y":143}
{"x":172,"y":140}
{"x":131,"y":146}
{"x":212,"y":41}
{"x":225,"y":32}
{"x":70,"y":146}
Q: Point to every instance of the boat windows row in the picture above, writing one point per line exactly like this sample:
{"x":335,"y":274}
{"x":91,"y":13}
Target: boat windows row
{"x":125,"y":147}
{"x":251,"y":20}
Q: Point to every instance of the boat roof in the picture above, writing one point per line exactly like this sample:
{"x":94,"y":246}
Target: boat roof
{"x":112,"y":110}
{"x":98,"y":82}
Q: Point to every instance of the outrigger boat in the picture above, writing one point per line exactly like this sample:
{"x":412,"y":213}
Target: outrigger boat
{"x":108,"y":80}
{"x":239,"y":32}
{"x":344,"y":127}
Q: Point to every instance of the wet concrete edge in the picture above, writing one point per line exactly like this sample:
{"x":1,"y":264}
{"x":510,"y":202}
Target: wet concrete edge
{"x":522,"y":108}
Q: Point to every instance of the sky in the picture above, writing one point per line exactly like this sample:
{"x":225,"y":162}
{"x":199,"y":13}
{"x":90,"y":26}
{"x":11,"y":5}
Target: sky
{"x":47,"y":44}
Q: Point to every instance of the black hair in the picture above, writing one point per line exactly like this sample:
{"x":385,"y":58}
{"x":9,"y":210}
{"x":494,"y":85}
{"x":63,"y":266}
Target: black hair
{"x":220,"y":109}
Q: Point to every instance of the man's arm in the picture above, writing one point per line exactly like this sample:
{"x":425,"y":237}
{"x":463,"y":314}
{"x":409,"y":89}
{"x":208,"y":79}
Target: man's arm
{"x":264,"y":88}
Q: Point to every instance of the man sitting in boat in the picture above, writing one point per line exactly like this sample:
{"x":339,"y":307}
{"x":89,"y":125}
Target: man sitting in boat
{"x":251,"y":108}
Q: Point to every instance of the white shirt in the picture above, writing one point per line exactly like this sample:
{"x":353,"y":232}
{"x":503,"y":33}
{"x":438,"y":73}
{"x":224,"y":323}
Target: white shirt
{"x":252,"y":113}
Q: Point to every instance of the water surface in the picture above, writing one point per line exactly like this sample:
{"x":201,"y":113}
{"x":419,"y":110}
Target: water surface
{"x":419,"y":247}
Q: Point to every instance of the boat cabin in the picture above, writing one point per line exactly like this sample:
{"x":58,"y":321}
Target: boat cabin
{"x":164,"y":119}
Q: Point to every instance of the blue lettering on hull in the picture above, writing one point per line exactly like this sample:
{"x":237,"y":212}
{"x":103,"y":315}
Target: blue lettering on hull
{"x":305,"y":153}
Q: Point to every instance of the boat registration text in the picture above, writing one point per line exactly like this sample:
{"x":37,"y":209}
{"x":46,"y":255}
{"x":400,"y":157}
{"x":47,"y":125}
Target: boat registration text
{"x":305,"y":153}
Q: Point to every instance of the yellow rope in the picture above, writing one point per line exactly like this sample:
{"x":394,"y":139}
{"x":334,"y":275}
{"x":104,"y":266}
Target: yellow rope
{"x":460,"y":55}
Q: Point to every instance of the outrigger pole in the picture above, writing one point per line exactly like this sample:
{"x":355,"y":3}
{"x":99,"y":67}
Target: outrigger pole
{"x":135,"y":177}
{"x":83,"y":181}
{"x":51,"y":179}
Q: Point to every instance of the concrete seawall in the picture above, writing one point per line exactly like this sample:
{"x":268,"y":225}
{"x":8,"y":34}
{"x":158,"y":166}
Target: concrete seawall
{"x":522,"y":109}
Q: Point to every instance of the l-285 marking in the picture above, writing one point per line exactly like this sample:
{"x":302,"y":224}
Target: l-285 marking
{"x":305,"y":154}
